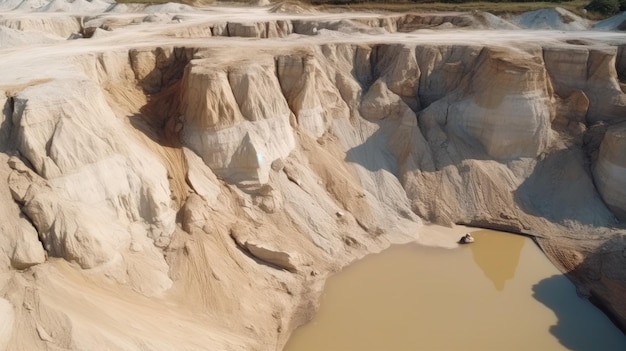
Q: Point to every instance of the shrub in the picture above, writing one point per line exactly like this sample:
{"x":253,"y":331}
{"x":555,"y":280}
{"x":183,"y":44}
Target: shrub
{"x":605,"y":7}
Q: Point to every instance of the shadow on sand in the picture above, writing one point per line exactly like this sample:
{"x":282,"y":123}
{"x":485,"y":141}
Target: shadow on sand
{"x":580,"y":325}
{"x":550,"y":186}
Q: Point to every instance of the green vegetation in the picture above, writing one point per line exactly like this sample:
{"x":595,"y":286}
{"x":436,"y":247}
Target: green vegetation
{"x":497,"y":7}
{"x":186,"y":2}
{"x":605,"y":7}
{"x":148,"y":2}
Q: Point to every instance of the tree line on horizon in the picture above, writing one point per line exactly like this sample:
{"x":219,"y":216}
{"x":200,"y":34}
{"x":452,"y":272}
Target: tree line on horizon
{"x":348,"y":2}
{"x":604,"y":7}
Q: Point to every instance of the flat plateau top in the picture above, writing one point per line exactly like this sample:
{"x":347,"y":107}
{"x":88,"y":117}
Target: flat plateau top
{"x":178,"y":25}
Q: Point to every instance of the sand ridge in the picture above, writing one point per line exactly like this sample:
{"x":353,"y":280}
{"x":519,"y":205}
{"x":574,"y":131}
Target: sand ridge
{"x":182,"y":177}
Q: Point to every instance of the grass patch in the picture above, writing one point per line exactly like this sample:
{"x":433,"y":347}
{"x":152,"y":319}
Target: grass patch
{"x":158,"y":2}
{"x":497,"y":8}
{"x":146,"y":2}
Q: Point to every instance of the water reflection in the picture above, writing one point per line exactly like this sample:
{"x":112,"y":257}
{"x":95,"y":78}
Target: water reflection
{"x":422,"y":298}
{"x":497,"y":255}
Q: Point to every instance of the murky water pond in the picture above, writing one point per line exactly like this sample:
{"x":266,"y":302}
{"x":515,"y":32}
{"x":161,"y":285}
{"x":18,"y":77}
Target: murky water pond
{"x":499,"y":293}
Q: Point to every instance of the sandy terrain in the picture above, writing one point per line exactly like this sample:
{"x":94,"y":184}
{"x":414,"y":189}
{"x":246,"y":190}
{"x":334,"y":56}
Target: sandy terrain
{"x":187,"y":178}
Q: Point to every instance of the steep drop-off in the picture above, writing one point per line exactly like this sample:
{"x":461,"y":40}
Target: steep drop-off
{"x":204,"y":187}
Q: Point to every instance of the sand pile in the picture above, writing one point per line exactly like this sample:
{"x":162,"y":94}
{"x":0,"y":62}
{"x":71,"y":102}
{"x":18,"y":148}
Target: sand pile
{"x":76,"y":6}
{"x":8,"y":5}
{"x":492,"y":21}
{"x":612,"y":23}
{"x":70,"y":6}
{"x":556,"y":18}
{"x":289,"y":7}
{"x":25,"y":5}
{"x":12,"y":37}
{"x":170,"y":7}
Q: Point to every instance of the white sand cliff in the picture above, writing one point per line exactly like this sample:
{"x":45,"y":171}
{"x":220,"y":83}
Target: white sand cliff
{"x":186,"y":178}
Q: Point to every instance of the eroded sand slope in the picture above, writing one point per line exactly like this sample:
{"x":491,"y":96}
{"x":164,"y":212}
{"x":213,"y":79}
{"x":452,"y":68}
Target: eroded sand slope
{"x":181,"y":178}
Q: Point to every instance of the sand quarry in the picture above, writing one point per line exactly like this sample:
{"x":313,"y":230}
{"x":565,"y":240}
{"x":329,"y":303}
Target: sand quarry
{"x":187,"y":178}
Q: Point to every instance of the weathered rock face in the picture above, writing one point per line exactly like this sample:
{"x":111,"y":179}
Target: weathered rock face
{"x":229,"y":177}
{"x":298,"y":77}
{"x":442,"y":68}
{"x":610,"y":169}
{"x":505,"y":105}
{"x":59,"y":26}
{"x":592,"y":71}
{"x":232,"y":122}
{"x":82,"y":159}
{"x":19,"y":238}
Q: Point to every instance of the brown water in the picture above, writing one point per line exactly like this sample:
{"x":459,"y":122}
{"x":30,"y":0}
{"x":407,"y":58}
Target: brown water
{"x":499,"y":293}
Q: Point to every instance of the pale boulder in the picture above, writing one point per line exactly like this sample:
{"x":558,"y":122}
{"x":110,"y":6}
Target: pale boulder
{"x":79,"y":234}
{"x":266,"y":248}
{"x":380,"y":102}
{"x":201,"y":178}
{"x":28,"y":250}
{"x":194,"y":213}
{"x":144,"y":64}
{"x":18,"y":238}
{"x":282,"y":259}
